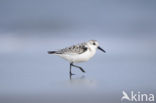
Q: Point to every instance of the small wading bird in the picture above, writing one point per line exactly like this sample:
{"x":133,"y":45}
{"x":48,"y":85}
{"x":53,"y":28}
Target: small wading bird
{"x":78,"y":53}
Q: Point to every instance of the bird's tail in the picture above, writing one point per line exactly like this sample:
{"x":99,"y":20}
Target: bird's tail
{"x":51,"y":52}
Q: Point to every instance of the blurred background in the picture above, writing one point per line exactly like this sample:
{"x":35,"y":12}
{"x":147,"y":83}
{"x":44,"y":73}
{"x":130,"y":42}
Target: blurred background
{"x":126,"y":29}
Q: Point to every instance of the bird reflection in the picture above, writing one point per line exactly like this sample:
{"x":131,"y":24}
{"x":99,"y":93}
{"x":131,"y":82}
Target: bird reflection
{"x":81,"y":81}
{"x":81,"y":77}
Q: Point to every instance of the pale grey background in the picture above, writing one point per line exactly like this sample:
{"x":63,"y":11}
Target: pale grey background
{"x":126,"y":29}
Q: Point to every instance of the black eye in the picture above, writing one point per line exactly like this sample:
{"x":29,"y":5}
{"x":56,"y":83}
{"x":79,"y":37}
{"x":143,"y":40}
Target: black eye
{"x":94,"y":44}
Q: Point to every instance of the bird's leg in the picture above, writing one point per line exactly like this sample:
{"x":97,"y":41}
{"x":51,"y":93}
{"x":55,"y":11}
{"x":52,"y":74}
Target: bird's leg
{"x":70,"y":70}
{"x":77,"y":67}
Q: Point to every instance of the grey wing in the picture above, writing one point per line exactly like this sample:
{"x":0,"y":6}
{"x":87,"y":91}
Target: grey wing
{"x":75,"y":49}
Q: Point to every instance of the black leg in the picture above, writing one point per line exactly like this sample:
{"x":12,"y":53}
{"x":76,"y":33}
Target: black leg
{"x":77,"y":67}
{"x":70,"y":70}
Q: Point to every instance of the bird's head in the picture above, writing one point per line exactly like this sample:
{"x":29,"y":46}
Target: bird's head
{"x":94,"y":45}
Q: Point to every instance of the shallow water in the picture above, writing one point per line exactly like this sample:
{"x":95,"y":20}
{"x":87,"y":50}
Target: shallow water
{"x":29,"y":74}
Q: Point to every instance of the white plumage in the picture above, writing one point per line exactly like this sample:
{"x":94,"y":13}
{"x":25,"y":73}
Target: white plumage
{"x":78,"y":53}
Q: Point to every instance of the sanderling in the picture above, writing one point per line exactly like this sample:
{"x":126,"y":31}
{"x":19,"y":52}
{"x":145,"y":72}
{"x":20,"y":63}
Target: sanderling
{"x":78,"y":53}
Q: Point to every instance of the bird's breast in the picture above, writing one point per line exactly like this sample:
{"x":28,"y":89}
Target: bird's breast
{"x":84,"y":56}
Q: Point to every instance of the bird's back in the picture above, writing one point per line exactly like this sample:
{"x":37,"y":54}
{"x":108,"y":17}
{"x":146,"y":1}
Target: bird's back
{"x":75,"y":49}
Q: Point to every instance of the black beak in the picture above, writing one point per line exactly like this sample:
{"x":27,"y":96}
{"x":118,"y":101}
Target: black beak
{"x":101,"y":49}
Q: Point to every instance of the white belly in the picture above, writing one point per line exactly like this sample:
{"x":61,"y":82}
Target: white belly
{"x":76,"y":58}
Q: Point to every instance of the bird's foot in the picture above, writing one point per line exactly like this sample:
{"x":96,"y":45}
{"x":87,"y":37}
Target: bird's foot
{"x":82,"y":70}
{"x":71,"y":74}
